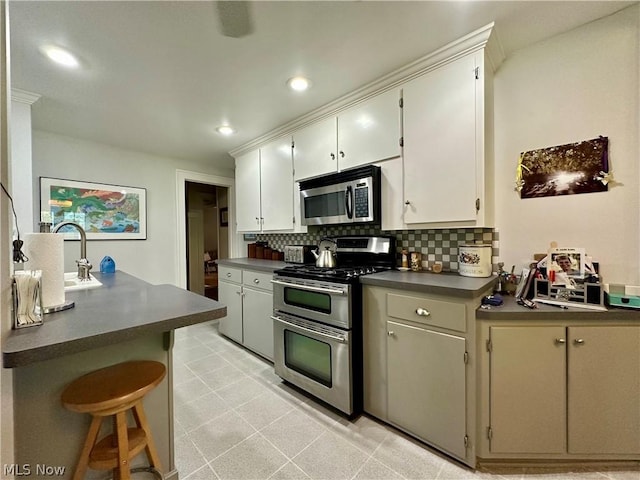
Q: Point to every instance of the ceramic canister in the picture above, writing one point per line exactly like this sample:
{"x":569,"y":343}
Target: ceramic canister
{"x":474,"y":260}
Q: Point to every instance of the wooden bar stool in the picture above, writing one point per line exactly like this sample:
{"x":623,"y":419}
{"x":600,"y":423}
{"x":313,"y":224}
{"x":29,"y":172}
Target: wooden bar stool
{"x":113,"y":391}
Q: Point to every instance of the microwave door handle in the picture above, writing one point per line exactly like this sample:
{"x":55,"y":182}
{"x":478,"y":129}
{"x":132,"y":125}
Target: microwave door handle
{"x":348,"y":201}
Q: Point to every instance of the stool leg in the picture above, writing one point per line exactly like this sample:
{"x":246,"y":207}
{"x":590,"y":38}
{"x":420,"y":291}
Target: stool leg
{"x":83,"y":462}
{"x":123,"y":446}
{"x":150,"y":449}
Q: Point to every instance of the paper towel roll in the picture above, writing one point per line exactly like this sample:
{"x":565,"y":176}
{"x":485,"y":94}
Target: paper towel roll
{"x":46,"y":253}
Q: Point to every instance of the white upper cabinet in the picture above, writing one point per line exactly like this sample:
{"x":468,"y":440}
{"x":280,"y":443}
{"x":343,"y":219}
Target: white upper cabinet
{"x":314,"y":149}
{"x":370,"y":131}
{"x":276,"y":173}
{"x":248,"y":192}
{"x":365,"y":133}
{"x":441,"y":159}
{"x":264,"y":188}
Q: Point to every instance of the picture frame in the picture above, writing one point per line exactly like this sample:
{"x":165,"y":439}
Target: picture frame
{"x":104,"y":211}
{"x":571,"y":261}
{"x":224,"y":217}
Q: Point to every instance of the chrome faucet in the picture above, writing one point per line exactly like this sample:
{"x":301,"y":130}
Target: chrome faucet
{"x":83,"y":264}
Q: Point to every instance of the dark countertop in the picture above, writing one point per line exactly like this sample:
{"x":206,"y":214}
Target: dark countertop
{"x":510,"y":310}
{"x":124,"y":307}
{"x":425,"y":282}
{"x":256,"y":264}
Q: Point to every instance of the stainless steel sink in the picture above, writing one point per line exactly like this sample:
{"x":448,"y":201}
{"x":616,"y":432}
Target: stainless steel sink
{"x":72,"y":282}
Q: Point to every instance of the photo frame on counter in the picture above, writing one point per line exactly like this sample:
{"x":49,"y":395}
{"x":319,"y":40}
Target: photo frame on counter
{"x":568,"y":260}
{"x":104,"y":211}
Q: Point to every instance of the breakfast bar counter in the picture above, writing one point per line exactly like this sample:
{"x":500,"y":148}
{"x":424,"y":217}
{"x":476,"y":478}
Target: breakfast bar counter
{"x":124,"y":319}
{"x":123,"y":308}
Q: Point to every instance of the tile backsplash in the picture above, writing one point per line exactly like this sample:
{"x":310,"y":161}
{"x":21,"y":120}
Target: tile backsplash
{"x":436,"y":246}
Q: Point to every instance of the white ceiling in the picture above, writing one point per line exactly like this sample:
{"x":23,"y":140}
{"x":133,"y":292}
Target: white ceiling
{"x":158,"y":76}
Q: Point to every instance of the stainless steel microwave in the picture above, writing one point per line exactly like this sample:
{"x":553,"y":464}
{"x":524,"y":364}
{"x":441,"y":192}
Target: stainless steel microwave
{"x":350,"y":196}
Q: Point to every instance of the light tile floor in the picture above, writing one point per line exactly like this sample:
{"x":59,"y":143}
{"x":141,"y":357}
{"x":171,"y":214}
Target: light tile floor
{"x":235,"y":419}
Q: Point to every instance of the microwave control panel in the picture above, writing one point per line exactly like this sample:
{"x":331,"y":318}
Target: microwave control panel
{"x":361,"y":202}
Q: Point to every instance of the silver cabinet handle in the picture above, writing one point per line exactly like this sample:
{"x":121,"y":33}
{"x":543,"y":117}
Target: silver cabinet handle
{"x":255,"y":280}
{"x":422,"y":312}
{"x":407,"y":202}
{"x":228,"y":274}
{"x":560,"y":341}
{"x":391,"y":333}
{"x":578,"y":341}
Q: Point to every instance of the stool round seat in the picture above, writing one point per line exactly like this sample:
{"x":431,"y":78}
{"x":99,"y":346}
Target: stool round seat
{"x":114,"y":391}
{"x":113,"y":386}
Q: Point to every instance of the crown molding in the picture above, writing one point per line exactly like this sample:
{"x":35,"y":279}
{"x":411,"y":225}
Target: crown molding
{"x":483,"y":37}
{"x":23,"y":96}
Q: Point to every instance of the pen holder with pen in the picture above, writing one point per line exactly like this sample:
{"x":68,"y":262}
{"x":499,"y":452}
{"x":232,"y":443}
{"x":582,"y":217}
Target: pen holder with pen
{"x":26,"y":289}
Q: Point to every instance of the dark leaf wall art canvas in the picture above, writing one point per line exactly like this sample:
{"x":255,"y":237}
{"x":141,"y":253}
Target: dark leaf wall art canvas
{"x":580,"y":167}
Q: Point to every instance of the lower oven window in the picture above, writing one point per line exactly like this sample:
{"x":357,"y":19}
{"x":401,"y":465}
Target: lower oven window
{"x":308,"y":356}
{"x":319,"y":302}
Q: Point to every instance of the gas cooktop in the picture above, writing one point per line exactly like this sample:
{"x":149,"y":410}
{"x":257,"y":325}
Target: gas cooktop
{"x":338,"y":274}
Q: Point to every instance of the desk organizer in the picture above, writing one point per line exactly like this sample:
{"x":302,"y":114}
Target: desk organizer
{"x":625,"y":296}
{"x":587,"y":295}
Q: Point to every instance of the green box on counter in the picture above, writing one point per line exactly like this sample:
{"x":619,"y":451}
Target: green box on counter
{"x":626,"y":296}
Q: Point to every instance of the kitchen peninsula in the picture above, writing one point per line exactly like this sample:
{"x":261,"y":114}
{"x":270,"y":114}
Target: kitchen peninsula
{"x":124,"y":319}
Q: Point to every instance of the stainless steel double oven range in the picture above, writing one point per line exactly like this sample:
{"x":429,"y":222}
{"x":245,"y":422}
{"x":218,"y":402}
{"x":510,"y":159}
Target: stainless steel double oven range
{"x":317,"y":316}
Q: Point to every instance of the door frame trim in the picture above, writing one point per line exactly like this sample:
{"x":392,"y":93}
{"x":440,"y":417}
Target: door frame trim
{"x":182,"y":177}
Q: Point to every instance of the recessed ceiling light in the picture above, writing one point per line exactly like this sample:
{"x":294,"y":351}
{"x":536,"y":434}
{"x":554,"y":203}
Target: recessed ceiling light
{"x":60,"y":56}
{"x":299,"y":84}
{"x":225,"y":130}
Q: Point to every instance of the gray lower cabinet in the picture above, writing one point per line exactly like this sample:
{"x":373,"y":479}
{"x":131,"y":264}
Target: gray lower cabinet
{"x":415,"y":367}
{"x":561,"y":390}
{"x":248,"y":296}
{"x":426,"y":385}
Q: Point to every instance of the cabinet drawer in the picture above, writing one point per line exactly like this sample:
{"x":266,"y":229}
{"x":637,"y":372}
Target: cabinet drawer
{"x":230,"y":274}
{"x":257,"y":280}
{"x":428,"y":311}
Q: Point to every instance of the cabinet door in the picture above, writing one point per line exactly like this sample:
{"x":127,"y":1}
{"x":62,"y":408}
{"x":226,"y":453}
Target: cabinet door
{"x":374,"y":332}
{"x":426,"y":379}
{"x":230,"y":295}
{"x":604,"y":389}
{"x":315,"y":149}
{"x":439,"y":131}
{"x":369,"y":131}
{"x":528,"y":390}
{"x":248,"y":192}
{"x":276,"y":172}
{"x":258,"y":325}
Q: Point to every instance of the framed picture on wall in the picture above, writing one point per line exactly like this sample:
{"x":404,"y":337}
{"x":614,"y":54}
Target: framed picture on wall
{"x":105,"y":212}
{"x":224,"y":217}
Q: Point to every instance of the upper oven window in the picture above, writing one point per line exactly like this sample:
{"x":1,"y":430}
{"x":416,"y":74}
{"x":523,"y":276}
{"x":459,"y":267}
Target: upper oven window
{"x":319,"y":302}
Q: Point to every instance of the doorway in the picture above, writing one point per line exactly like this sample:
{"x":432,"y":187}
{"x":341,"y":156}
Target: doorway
{"x":191,"y":260}
{"x":207,"y":231}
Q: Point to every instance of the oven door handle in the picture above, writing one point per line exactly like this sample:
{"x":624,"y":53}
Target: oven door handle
{"x":331,"y":291}
{"x":314,"y":332}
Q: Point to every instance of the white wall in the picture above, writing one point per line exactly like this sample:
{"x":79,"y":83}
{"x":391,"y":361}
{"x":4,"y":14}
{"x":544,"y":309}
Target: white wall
{"x":573,"y":87}
{"x":154,"y":259}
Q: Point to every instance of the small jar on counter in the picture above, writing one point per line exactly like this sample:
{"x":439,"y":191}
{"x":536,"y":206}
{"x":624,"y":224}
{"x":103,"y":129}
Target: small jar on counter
{"x":405,"y":258}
